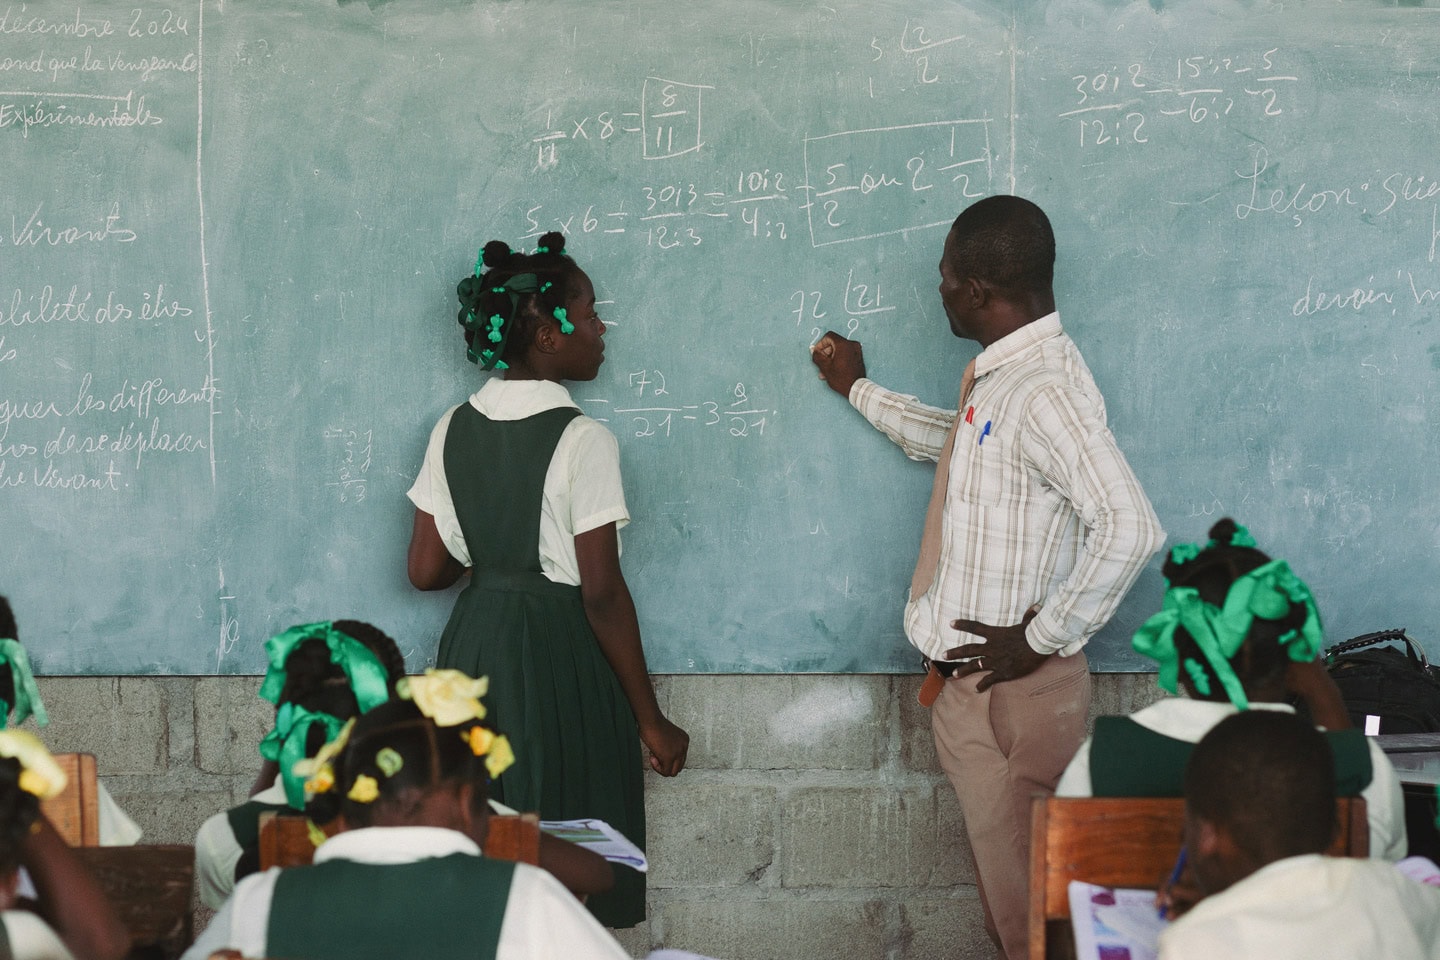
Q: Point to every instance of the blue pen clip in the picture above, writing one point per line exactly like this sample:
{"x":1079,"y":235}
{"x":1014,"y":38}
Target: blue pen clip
{"x":983,"y":434}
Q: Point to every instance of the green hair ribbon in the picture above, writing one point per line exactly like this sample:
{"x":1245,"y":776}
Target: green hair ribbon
{"x":368,"y":679}
{"x":566,"y":327}
{"x":27,"y":694}
{"x":1266,"y":592}
{"x":285,"y":745}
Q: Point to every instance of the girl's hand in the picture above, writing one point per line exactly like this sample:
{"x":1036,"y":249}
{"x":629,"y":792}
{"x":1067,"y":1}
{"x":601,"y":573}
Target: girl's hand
{"x":667,"y":744}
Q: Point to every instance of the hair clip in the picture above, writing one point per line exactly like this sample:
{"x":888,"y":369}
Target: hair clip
{"x":542,"y":249}
{"x":501,"y":365}
{"x":364,"y":790}
{"x":479,"y":261}
{"x":389,"y":761}
{"x":496,"y":322}
{"x":546,"y":286}
{"x":566,"y":326}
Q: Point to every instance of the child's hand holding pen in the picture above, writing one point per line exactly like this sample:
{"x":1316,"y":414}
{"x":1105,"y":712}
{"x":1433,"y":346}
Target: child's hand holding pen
{"x":1180,"y":891}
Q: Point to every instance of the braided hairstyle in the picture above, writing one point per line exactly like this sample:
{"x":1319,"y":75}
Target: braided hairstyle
{"x":8,"y":631}
{"x":500,"y":321}
{"x":419,"y":757}
{"x":18,"y":811}
{"x":1006,"y":241}
{"x":1261,"y":660}
{"x":312,"y":681}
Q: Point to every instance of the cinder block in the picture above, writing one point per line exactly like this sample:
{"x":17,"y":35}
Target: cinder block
{"x":782,"y":722}
{"x":858,"y":837}
{"x":172,"y":817}
{"x":954,"y":861}
{"x":789,"y":929}
{"x":708,"y":835}
{"x":119,"y":719}
{"x":230,"y":720}
{"x":917,"y":742}
{"x":1119,"y":694}
{"x":945,"y":930}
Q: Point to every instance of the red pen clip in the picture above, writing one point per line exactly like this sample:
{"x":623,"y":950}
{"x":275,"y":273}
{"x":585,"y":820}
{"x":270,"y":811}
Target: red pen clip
{"x":970,"y":415}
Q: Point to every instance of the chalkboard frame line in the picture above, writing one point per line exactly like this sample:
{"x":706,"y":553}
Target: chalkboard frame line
{"x":204,"y":256}
{"x":1014,"y":92}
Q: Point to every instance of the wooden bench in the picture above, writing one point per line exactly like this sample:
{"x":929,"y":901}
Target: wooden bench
{"x":149,"y":886}
{"x":75,"y":812}
{"x":1122,"y":842}
{"x":285,"y":839}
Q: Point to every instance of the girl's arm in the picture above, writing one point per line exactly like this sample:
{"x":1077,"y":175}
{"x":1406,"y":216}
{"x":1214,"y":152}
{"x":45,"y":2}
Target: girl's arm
{"x":70,"y":899}
{"x":582,"y":871}
{"x":429,"y":564}
{"x":611,"y":613}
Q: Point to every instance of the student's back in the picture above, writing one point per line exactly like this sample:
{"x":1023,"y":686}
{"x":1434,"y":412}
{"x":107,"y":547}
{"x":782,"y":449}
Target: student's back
{"x":320,"y":675}
{"x":1260,"y":808}
{"x":1238,"y":631}
{"x":408,"y":878}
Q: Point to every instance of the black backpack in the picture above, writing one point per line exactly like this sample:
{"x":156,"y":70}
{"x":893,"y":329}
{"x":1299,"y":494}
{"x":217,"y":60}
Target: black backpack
{"x":1398,"y":686}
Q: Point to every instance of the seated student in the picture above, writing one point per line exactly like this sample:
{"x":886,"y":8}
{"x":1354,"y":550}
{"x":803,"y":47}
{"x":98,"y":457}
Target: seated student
{"x":20,"y":698}
{"x":81,"y":922}
{"x":406,"y":877}
{"x":1238,"y":630}
{"x":1259,"y":812}
{"x":320,"y":675}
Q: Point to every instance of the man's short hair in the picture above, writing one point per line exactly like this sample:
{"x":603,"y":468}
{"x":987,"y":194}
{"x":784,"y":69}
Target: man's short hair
{"x":1268,"y":779}
{"x":1005,"y":241}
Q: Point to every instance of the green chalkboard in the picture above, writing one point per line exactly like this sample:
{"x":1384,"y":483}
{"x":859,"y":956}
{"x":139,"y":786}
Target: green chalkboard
{"x":232,"y":232}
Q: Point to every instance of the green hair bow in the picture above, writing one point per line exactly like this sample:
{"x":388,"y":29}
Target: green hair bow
{"x":27,"y":694}
{"x":285,"y":745}
{"x":1265,"y":592}
{"x":368,"y":679}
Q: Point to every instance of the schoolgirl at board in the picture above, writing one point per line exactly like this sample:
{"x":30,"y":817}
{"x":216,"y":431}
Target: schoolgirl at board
{"x":520,"y":493}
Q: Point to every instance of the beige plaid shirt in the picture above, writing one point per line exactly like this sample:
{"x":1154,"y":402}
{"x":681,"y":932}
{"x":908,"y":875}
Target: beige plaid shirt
{"x":1041,"y":509}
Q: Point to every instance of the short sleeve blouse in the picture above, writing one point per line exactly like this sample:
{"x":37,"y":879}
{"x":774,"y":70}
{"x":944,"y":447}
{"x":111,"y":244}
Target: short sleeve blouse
{"x":582,"y":486}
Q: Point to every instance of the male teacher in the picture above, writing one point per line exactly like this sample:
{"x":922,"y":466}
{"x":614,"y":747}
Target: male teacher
{"x":1036,"y":529}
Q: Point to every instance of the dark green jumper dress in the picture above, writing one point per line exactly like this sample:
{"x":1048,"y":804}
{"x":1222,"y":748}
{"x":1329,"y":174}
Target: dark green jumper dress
{"x":453,"y":906}
{"x":552,"y":692}
{"x":1130,"y":760}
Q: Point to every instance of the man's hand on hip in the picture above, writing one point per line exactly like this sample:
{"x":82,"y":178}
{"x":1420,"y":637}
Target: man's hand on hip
{"x":1004,"y":653}
{"x":841,"y":362}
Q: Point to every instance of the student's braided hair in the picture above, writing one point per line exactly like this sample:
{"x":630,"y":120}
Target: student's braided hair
{"x":18,"y":811}
{"x":318,"y":692}
{"x":502,"y":307}
{"x":314,"y":681}
{"x":1276,"y":612}
{"x":405,"y":755}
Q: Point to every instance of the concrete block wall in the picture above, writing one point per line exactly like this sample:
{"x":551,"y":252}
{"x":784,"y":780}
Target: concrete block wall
{"x":812,"y":820}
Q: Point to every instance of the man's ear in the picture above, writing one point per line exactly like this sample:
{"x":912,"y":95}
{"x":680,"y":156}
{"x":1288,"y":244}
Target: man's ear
{"x":976,"y":292}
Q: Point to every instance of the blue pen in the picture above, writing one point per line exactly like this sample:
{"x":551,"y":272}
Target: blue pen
{"x":1175,"y":875}
{"x":983,"y":434}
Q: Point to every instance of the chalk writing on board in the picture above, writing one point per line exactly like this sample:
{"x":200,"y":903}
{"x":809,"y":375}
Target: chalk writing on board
{"x":656,"y":412}
{"x":681,"y":213}
{"x":915,"y":41}
{"x":352,"y":452}
{"x":229,"y":625}
{"x":1119,"y":105}
{"x":27,"y":109}
{"x":1376,"y":195}
{"x":860,"y":299}
{"x":670,"y":118}
{"x":853,"y":178}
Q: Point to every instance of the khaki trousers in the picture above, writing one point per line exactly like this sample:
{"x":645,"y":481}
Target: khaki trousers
{"x":1000,"y":748}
